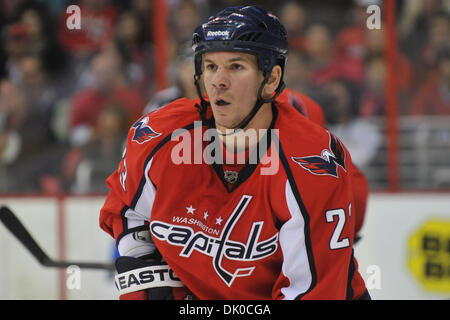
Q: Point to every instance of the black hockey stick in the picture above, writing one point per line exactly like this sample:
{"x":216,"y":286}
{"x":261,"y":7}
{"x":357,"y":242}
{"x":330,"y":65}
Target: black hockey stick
{"x":13,"y":224}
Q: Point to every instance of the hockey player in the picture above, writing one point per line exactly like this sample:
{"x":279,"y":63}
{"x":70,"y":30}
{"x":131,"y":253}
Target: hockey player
{"x":304,"y":104}
{"x":278,"y":225}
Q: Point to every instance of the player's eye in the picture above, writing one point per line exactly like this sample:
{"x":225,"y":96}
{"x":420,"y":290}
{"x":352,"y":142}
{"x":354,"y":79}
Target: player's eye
{"x":210,"y":67}
{"x":236,"y":66}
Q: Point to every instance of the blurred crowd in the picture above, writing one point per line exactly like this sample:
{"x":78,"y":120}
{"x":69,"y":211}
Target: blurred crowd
{"x":68,"y":97}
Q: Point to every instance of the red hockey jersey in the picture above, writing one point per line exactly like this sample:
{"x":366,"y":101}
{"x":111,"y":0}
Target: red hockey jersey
{"x":283,"y":231}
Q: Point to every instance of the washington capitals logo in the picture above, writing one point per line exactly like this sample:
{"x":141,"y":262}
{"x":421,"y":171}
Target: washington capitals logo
{"x":327,"y":163}
{"x":221,"y":249}
{"x":143,"y":132}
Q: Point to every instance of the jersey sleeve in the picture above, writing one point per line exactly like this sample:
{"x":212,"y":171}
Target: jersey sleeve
{"x":316,"y":236}
{"x":127,"y":208}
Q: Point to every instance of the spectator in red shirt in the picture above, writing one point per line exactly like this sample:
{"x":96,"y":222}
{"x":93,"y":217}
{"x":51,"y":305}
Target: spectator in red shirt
{"x":433,"y":98}
{"x":109,"y":87}
{"x":98,"y":18}
{"x":85,"y":168}
{"x":373,"y":100}
{"x":350,"y":41}
{"x":375,"y":45}
{"x":324,"y":64}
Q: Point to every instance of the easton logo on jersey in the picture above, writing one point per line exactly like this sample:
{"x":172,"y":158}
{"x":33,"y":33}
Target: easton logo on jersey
{"x":143,"y":132}
{"x":329,"y":160}
{"x":220,"y":247}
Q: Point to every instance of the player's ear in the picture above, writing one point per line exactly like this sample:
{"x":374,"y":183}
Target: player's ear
{"x":273,"y":82}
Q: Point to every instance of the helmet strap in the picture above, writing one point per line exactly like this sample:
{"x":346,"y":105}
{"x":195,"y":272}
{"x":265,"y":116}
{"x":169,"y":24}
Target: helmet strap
{"x":203,"y":106}
{"x":258,"y":104}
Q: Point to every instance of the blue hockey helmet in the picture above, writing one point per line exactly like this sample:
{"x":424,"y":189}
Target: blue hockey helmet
{"x":247,"y":29}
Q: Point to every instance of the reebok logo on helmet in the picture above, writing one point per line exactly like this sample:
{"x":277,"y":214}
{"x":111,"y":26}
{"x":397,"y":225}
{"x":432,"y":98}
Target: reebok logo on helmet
{"x":218,"y":33}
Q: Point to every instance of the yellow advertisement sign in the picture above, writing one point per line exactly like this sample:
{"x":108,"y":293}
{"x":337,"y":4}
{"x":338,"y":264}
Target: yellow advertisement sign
{"x":429,"y":255}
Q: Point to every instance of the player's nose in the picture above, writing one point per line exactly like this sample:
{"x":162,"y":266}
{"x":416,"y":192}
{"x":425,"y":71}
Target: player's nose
{"x":221,"y":79}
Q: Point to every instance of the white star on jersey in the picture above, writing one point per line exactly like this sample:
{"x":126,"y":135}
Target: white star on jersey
{"x":190,"y":209}
{"x":219,"y":220}
{"x":205,"y":215}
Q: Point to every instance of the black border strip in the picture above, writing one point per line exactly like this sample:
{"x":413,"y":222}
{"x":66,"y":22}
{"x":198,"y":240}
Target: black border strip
{"x":124,"y":219}
{"x":351,"y":273}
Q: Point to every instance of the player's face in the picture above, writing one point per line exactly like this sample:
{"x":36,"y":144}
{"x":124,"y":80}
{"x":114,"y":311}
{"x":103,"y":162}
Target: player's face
{"x":231,"y":81}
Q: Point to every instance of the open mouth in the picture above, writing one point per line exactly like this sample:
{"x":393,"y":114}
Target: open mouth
{"x":221,"y":102}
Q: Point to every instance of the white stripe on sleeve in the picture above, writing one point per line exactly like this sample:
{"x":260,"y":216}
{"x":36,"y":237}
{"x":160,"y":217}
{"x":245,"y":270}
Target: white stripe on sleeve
{"x":130,"y":245}
{"x":292,"y":242}
{"x":147,"y":197}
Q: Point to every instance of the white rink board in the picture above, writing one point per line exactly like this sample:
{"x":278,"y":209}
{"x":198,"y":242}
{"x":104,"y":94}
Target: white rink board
{"x":391,"y":219}
{"x":389,"y":223}
{"x":22,"y":277}
{"x":87,"y":242}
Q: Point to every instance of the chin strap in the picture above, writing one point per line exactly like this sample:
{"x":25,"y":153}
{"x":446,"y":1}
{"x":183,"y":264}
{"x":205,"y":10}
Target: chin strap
{"x":259,"y":103}
{"x":203,"y":106}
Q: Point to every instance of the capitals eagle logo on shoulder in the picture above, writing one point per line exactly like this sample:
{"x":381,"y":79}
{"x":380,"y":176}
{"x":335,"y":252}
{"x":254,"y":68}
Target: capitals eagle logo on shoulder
{"x":143,"y":132}
{"x":329,"y":160}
